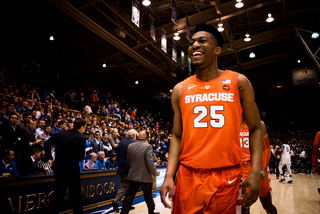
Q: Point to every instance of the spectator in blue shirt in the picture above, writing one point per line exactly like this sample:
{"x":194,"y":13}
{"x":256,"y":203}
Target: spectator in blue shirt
{"x":63,"y":125}
{"x":7,"y":166}
{"x":88,"y":144}
{"x":112,"y":161}
{"x":101,"y":164}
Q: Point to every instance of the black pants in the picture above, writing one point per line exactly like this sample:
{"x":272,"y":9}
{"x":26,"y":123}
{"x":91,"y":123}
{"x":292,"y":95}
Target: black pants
{"x":133,"y":189}
{"x":277,"y":167}
{"x":63,"y":181}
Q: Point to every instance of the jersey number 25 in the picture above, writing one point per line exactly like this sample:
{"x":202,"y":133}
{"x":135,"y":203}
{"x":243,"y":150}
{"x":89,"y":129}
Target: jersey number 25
{"x":217,"y":119}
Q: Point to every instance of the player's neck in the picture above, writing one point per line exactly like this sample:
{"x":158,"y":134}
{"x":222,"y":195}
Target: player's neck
{"x":208,"y":74}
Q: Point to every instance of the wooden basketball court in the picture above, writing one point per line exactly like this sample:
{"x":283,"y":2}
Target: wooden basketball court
{"x":301,"y":197}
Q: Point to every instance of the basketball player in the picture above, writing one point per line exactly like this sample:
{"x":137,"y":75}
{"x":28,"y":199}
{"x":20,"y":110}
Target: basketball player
{"x":315,"y":154}
{"x":285,"y":160}
{"x":207,"y":118}
{"x":265,"y":178}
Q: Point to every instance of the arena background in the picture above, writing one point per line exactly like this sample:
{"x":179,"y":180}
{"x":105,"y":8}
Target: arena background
{"x":90,"y":33}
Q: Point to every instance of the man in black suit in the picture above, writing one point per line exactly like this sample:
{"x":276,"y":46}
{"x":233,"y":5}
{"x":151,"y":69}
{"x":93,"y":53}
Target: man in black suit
{"x":27,"y":142}
{"x":29,"y":164}
{"x":10,"y":133}
{"x":70,"y":148}
{"x":123,"y":166}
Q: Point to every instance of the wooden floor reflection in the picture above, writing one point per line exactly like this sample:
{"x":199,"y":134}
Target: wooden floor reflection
{"x":301,"y":197}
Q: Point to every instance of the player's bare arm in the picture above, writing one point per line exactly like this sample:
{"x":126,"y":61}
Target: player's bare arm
{"x":252,"y":118}
{"x":175,"y":147}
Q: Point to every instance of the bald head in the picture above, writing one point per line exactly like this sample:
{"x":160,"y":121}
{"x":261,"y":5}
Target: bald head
{"x":142,"y":135}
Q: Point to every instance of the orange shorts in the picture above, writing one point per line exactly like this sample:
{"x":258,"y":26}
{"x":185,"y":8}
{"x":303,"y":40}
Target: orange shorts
{"x":207,"y":191}
{"x":265,"y":185}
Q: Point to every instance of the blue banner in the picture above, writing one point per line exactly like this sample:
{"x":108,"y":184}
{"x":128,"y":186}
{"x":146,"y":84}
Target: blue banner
{"x":189,"y":66}
{"x":135,"y":12}
{"x":182,"y":59}
{"x":174,"y":12}
{"x":187,"y":28}
{"x":174,"y":51}
{"x":152,"y":29}
{"x":163,"y":40}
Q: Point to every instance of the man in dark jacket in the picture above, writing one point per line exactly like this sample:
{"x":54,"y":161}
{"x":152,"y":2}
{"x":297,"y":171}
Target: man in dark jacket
{"x":70,"y":149}
{"x":10,"y":133}
{"x":29,"y":164}
{"x":123,"y":166}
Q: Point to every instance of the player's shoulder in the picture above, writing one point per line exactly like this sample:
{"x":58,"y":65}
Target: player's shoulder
{"x":178,"y":86}
{"x":177,"y":90}
{"x":242,"y":79}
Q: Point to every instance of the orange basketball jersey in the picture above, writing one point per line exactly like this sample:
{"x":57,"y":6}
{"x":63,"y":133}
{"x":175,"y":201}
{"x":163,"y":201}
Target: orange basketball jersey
{"x":244,"y":141}
{"x":211,"y":119}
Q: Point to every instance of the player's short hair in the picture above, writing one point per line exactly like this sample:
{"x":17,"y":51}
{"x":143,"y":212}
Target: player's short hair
{"x":210,"y":29}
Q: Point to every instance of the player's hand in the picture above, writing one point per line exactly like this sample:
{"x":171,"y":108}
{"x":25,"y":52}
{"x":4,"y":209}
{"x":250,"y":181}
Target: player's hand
{"x":250,"y":189}
{"x":263,"y":174}
{"x":167,"y":186}
{"x":316,"y":170}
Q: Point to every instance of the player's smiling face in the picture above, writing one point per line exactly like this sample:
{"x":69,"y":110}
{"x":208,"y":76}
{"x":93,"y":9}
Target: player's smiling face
{"x":202,"y":49}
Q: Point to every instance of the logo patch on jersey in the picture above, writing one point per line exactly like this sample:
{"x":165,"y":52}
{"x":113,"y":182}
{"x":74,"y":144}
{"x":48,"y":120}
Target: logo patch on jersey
{"x":207,"y":86}
{"x":226,"y":87}
{"x":226,"y":81}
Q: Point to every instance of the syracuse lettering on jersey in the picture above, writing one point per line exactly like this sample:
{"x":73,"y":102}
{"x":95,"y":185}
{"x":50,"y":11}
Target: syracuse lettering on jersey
{"x":207,"y":97}
{"x":246,"y":134}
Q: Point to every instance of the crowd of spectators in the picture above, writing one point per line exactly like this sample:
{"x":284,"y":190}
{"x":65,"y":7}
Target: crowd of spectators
{"x":300,"y":151}
{"x":39,"y":105}
{"x":31,"y":112}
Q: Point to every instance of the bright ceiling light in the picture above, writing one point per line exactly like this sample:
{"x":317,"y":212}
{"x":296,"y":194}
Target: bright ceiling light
{"x":247,"y":39}
{"x":239,"y":4}
{"x":170,"y":90}
{"x":176,"y":36}
{"x":146,"y":2}
{"x":270,"y":18}
{"x":314,"y":35}
{"x":136,"y":82}
{"x":104,"y":65}
{"x":252,"y":55}
{"x":220,"y":27}
{"x":51,"y":38}
{"x":298,"y":61}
